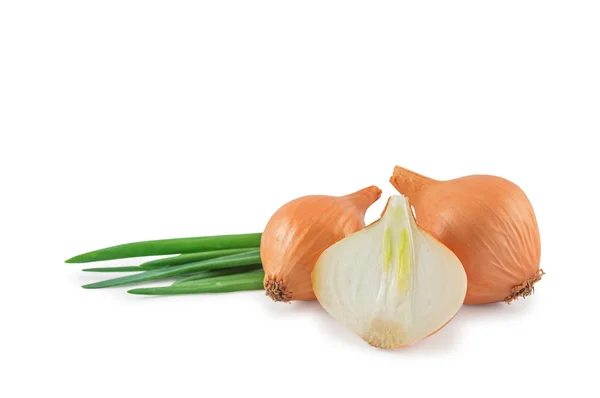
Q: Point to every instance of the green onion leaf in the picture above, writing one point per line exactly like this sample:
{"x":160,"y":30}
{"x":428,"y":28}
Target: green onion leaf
{"x":222,"y":284}
{"x":217,"y":272}
{"x":235,"y":260}
{"x":170,"y":246}
{"x":191,"y":257}
{"x":114,"y":269}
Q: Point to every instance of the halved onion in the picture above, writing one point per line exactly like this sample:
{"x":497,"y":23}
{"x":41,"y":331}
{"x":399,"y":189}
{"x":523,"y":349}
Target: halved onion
{"x":391,"y":283}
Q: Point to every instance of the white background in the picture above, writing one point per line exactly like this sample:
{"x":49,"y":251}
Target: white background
{"x":134,"y":120}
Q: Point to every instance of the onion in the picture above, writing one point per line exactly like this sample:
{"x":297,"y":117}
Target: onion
{"x":299,"y":231}
{"x":391,"y":283}
{"x":488,"y":222}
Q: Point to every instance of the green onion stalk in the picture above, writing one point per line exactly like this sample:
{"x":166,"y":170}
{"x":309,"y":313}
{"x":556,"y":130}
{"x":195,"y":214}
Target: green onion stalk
{"x":205,"y":264}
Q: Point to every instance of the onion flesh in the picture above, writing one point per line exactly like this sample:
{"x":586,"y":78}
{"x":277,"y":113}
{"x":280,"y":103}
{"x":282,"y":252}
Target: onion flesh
{"x":391,"y":283}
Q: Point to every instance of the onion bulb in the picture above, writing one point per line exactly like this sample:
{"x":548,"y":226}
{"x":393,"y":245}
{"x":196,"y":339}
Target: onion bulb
{"x":488,"y":222}
{"x":391,"y":283}
{"x":299,"y":231}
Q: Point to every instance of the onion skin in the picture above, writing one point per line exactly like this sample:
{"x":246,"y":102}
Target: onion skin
{"x":300,"y":231}
{"x":488,"y":222}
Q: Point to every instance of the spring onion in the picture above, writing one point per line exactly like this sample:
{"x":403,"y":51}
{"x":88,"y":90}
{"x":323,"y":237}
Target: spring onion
{"x":114,"y":269}
{"x":222,"y":284}
{"x":217,"y":272}
{"x":235,"y":260}
{"x":170,"y":246}
{"x":191,"y":258}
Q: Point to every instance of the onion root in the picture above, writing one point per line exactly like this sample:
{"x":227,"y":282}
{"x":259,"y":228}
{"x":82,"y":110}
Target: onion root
{"x":276,"y":290}
{"x":526,"y":288}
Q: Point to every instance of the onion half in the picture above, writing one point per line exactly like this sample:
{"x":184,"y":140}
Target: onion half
{"x":391,"y":283}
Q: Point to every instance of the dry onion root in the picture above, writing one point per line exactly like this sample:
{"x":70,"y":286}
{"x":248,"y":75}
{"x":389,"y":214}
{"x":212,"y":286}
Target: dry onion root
{"x":299,"y":231}
{"x":488,"y":222}
{"x":391,"y":283}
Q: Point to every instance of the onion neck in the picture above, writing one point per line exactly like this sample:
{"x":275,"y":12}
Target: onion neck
{"x":364,"y":198}
{"x":408,"y":182}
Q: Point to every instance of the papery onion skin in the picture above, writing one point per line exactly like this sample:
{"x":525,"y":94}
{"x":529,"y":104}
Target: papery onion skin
{"x":300,"y":231}
{"x":488,"y":222}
